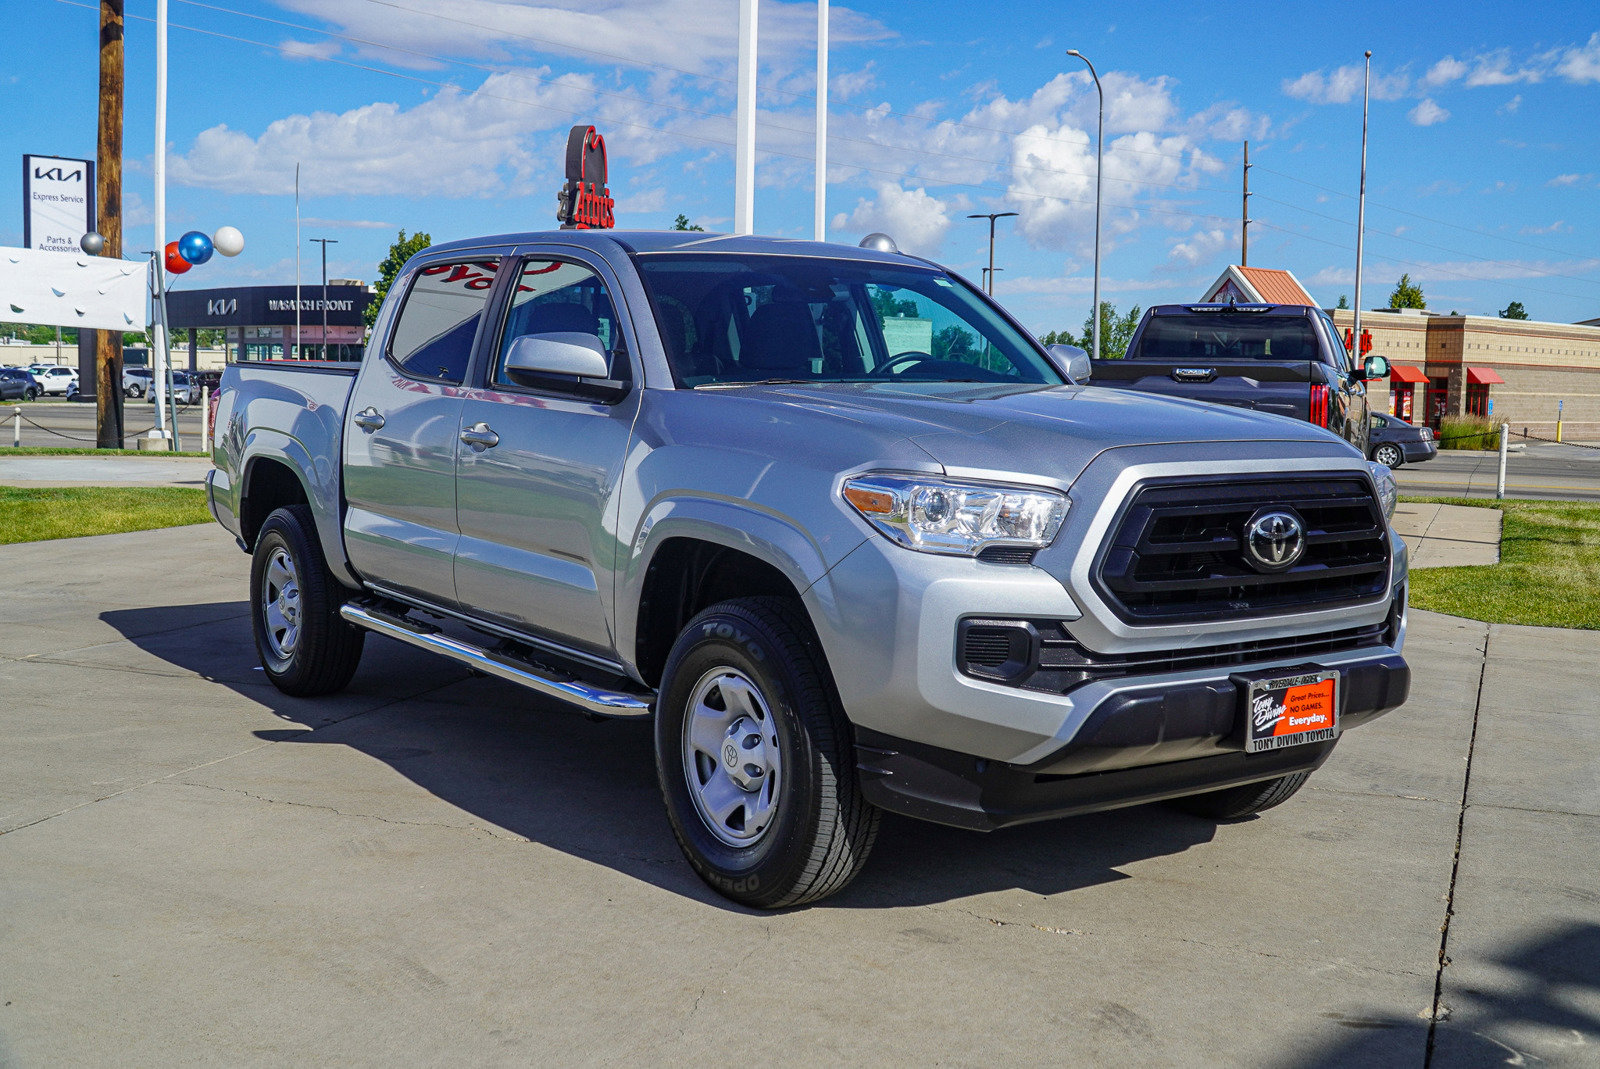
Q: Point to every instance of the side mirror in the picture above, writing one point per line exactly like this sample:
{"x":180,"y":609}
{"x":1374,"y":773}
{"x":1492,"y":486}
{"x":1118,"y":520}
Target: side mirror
{"x":568,"y":362}
{"x":1072,"y":362}
{"x":1376,"y":367}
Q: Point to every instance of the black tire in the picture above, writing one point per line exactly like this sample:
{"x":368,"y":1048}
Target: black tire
{"x":291,"y":586}
{"x":1236,"y":803}
{"x":815,"y":830}
{"x":1388,"y":454}
{"x":32,"y":393}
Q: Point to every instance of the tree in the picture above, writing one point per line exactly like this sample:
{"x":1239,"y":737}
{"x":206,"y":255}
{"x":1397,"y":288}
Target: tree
{"x":402,"y":250}
{"x":682,"y":223}
{"x":1115,"y":332}
{"x":1514,"y":310}
{"x":1407,"y":294}
{"x":1344,"y":302}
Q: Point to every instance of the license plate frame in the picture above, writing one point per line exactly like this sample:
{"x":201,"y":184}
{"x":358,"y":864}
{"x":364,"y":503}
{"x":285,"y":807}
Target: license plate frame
{"x":1289,"y":707}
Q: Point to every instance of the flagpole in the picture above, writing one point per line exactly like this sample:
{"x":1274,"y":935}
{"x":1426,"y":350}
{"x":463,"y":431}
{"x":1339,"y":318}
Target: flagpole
{"x":1361,"y":209}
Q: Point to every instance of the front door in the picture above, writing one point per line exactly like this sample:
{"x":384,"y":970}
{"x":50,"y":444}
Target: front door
{"x":536,"y":485}
{"x":401,"y":430}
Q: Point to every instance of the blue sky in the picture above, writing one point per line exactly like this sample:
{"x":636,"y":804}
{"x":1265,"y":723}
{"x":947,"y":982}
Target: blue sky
{"x":449,"y":117}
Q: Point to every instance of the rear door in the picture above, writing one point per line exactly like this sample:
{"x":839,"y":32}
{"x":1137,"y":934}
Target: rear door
{"x":401,"y":429}
{"x":536,"y":484}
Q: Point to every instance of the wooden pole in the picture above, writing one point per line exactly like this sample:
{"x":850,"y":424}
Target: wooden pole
{"x":1244,"y":216}
{"x":108,"y":343}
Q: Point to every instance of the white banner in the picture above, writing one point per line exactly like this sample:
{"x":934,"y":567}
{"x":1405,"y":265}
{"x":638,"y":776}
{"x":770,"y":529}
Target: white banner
{"x":94,"y":292}
{"x":57,"y":202}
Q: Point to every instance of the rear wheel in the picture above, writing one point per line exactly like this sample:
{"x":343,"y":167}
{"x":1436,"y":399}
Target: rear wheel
{"x":32,"y":393}
{"x":1235,"y":803}
{"x":1388,"y":454}
{"x":305,"y":647}
{"x":756,"y":759}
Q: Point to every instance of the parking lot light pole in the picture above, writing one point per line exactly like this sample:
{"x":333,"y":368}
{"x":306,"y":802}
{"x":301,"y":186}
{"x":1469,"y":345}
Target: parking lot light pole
{"x":991,"y":216}
{"x":325,"y":242}
{"x":1099,"y":161}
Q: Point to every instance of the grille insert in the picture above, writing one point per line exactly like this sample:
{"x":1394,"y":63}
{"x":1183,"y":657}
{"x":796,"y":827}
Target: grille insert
{"x":1177,"y":552}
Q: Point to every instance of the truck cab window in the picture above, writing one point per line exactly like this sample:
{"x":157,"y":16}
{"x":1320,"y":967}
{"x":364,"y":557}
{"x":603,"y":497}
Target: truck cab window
{"x":432,"y":336}
{"x":560,"y":297}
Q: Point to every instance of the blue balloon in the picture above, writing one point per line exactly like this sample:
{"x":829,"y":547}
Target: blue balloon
{"x":195,"y":247}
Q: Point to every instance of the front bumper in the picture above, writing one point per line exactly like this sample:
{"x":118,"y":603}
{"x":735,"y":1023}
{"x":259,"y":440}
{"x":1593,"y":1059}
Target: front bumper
{"x":1134,"y":748}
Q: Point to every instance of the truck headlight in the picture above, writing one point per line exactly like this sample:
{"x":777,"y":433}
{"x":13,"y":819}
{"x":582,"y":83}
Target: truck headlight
{"x":1388,"y":489}
{"x":956,"y":518}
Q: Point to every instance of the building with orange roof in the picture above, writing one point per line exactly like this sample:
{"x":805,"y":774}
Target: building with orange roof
{"x":1257,"y":285}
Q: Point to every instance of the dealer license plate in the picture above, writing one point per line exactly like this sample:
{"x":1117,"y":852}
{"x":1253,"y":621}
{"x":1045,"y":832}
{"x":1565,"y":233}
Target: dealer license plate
{"x":1291,"y":710}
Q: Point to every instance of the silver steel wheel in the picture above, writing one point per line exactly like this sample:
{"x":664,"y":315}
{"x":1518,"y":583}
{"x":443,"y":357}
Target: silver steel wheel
{"x":1388,"y":455}
{"x":280,"y":604}
{"x":730,"y":757}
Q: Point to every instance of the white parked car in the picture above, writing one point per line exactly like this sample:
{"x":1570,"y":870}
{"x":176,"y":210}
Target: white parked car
{"x":58,"y":380}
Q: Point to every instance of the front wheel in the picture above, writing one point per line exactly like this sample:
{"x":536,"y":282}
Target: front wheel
{"x":305,"y":647}
{"x":1236,"y":803}
{"x":1388,"y":454}
{"x":756,"y":760}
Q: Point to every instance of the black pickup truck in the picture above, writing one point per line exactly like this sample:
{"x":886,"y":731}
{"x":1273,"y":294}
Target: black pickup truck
{"x":1286,"y":359}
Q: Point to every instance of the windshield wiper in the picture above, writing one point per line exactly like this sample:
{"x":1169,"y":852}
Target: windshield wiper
{"x":757,"y":382}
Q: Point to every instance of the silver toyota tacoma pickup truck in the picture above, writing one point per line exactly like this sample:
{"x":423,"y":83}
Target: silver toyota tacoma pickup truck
{"x":832,"y":518}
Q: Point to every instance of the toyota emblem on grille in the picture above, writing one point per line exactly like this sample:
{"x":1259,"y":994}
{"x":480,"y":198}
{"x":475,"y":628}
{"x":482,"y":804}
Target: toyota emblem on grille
{"x":1273,"y":540}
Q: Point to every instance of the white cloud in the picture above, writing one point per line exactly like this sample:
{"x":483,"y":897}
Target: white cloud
{"x":1560,"y":226}
{"x":1510,"y":107}
{"x":1343,"y":84}
{"x":1570,"y":180}
{"x":1427,"y":113}
{"x":1449,"y":69}
{"x":1581,"y":63}
{"x":916,"y":220}
{"x":323,"y":49}
{"x":1202,"y":246}
{"x":349,"y":224}
{"x":849,"y":84}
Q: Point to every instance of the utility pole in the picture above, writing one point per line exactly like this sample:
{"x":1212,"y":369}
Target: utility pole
{"x":989,"y":271}
{"x":988,"y":274}
{"x":325,"y":242}
{"x":1244,"y":220}
{"x":108,"y":170}
{"x":744,"y":139}
{"x":819,"y":226}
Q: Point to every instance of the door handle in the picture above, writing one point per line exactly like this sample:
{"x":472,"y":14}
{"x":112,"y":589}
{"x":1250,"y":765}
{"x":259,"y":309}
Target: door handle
{"x":368,"y":419}
{"x":480,"y":437}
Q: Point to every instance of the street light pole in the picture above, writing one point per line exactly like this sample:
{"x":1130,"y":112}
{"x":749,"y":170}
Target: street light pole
{"x":991,"y":216}
{"x":1361,"y":210}
{"x":1099,"y":161}
{"x":325,"y":242}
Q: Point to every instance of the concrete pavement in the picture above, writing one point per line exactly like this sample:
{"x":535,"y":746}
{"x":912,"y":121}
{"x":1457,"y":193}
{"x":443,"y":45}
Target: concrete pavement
{"x":1443,"y":536}
{"x":432,"y":868}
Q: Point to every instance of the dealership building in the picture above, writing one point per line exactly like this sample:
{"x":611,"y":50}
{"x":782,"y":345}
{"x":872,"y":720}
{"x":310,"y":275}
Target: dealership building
{"x":276,"y":322}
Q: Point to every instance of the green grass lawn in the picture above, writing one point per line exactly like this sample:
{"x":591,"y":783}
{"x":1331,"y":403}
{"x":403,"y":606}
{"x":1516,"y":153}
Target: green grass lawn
{"x":1548,"y":575}
{"x":34,"y":514}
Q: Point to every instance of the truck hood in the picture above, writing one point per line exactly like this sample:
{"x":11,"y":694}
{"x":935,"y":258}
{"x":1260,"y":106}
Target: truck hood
{"x":1052,"y":432}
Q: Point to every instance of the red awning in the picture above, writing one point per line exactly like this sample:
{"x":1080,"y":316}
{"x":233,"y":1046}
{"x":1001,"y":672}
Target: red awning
{"x":1484,"y":376}
{"x":1406,"y":373}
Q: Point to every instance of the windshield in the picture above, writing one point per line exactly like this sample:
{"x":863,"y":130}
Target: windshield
{"x":1221,"y":337}
{"x":737,"y":319}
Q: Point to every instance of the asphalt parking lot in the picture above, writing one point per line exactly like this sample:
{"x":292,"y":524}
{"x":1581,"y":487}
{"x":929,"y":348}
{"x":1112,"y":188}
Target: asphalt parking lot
{"x":432,"y":868}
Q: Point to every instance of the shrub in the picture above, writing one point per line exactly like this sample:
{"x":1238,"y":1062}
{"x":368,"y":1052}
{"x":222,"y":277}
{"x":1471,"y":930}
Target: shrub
{"x":1468,"y":432}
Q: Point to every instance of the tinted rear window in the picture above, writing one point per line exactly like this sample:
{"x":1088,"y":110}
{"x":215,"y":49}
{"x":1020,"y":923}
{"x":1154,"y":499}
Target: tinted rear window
{"x":1221,"y":337}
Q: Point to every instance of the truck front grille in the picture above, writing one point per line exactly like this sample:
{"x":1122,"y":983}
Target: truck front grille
{"x":1177,"y":552}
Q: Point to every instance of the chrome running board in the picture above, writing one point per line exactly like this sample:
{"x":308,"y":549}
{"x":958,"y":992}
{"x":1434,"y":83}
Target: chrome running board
{"x":591,"y":699}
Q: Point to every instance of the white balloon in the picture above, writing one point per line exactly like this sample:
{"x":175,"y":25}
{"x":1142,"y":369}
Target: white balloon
{"x":228,"y":241}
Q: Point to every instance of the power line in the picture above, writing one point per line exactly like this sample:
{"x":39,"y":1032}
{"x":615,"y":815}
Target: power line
{"x":1013,"y":167}
{"x":926,"y":180}
{"x":1425,"y":218}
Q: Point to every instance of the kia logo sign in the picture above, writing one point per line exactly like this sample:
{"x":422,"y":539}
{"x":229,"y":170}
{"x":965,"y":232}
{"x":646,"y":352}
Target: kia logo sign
{"x":57,"y":174}
{"x":222,"y":308}
{"x":585,"y":203}
{"x":1274,"y":540}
